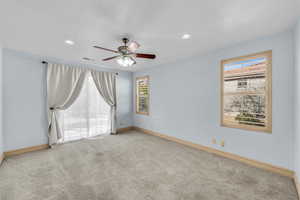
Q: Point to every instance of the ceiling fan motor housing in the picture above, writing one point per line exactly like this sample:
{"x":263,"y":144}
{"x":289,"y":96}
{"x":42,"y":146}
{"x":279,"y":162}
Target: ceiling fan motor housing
{"x":124,"y":50}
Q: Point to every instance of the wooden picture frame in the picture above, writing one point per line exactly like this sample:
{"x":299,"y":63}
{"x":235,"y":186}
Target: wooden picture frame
{"x":144,"y":111}
{"x":246,"y":101}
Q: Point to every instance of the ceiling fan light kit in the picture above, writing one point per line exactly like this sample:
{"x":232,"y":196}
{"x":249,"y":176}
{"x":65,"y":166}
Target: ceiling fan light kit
{"x":125,"y":61}
{"x":133,"y":46}
{"x":126,"y":53}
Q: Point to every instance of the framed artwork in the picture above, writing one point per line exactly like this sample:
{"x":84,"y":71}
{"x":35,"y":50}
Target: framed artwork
{"x":246,"y":92}
{"x":142,"y":95}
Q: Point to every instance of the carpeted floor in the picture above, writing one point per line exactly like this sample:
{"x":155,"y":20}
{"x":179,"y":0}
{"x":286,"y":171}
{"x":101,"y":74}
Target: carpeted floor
{"x":135,"y":166}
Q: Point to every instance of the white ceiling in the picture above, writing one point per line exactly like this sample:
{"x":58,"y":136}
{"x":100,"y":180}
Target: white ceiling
{"x":41,"y":27}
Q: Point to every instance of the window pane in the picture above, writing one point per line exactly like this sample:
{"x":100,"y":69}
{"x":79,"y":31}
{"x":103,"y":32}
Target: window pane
{"x":246,"y":93}
{"x":245,"y":109}
{"x":88,"y":116}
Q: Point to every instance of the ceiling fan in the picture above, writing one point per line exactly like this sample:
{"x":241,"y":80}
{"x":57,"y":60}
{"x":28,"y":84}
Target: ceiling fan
{"x":126,"y":53}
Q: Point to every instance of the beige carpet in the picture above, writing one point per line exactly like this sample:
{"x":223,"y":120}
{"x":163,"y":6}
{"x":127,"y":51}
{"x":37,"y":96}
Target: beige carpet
{"x":135,"y":166}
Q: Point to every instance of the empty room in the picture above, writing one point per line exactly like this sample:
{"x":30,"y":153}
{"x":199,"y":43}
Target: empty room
{"x":150,"y":100}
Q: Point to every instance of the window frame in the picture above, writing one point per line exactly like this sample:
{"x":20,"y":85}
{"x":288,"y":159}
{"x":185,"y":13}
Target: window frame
{"x":268,"y":92}
{"x":137,"y":97}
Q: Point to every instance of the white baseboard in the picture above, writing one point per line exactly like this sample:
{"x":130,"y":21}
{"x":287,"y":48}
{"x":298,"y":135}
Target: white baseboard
{"x":258,"y":164}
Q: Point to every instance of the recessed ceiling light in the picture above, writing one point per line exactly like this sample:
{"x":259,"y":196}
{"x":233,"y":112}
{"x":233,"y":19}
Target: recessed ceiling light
{"x":69,"y":42}
{"x":185,"y":36}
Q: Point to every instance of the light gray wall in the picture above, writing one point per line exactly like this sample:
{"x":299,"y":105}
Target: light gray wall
{"x":297,"y":98}
{"x":185,"y":102}
{"x":1,"y":98}
{"x":24,"y":103}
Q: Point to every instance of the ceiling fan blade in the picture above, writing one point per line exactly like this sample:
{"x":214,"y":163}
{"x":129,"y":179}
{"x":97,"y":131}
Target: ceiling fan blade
{"x":88,"y":59}
{"x":133,"y":46}
{"x":143,"y":55}
{"x":97,"y":47}
{"x":105,"y":59}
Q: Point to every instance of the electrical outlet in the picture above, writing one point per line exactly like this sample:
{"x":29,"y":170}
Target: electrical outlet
{"x":222,"y":143}
{"x":214,"y":141}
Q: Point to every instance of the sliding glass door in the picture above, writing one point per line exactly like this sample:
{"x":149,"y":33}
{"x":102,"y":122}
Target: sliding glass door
{"x":89,"y":115}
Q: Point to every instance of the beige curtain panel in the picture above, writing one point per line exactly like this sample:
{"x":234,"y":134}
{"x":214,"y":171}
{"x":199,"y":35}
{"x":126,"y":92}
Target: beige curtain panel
{"x":106,"y":85}
{"x":64,"y":84}
{"x":63,"y":87}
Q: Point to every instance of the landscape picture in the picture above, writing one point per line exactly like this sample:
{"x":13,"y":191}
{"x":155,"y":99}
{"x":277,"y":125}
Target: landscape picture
{"x":246,"y":89}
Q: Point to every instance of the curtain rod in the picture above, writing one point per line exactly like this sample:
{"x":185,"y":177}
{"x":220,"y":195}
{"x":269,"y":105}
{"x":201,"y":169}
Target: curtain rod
{"x":45,"y":62}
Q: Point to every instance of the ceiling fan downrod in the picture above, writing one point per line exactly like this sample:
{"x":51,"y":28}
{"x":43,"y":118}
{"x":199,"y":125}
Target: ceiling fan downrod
{"x":125,"y":40}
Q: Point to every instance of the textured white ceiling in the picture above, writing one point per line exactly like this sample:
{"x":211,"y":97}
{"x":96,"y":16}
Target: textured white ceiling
{"x":41,"y":26}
